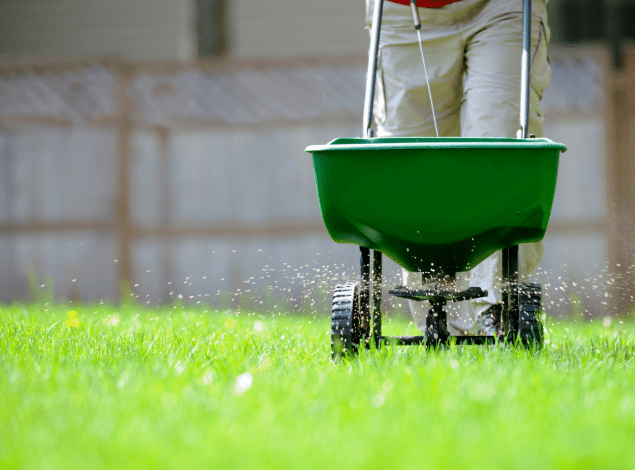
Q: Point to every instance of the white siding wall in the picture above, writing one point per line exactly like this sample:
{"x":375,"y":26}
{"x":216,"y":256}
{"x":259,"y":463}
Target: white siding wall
{"x":129,"y":29}
{"x":291,"y":28}
{"x":166,"y":29}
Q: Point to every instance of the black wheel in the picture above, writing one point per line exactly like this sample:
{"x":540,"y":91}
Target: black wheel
{"x":348,"y":328}
{"x":530,"y":328}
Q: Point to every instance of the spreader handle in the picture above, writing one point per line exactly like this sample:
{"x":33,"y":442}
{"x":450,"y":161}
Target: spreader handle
{"x":372,"y":69}
{"x":523,"y":132}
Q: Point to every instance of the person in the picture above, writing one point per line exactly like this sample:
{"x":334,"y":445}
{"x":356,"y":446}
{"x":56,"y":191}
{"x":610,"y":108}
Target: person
{"x":472,"y":51}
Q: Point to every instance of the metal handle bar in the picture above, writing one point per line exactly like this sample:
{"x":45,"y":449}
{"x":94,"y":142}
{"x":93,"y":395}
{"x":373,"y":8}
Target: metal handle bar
{"x":525,"y":71}
{"x":371,"y":73}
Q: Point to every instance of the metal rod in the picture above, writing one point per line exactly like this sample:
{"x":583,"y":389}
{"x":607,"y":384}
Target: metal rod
{"x":364,"y":288}
{"x":525,"y":71}
{"x":513,"y":291}
{"x":417,"y":24}
{"x":425,"y":71}
{"x":510,"y":290}
{"x":415,"y":340}
{"x":377,"y":285}
{"x":371,"y":73}
{"x":505,"y":289}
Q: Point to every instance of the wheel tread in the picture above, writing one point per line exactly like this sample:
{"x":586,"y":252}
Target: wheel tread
{"x":530,"y":328}
{"x":345,"y":331}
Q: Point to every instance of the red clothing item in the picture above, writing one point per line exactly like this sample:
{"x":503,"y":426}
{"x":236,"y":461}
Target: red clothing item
{"x":426,"y":3}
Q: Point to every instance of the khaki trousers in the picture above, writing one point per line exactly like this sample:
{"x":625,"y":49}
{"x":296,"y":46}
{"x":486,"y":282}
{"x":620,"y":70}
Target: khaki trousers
{"x":472,"y":50}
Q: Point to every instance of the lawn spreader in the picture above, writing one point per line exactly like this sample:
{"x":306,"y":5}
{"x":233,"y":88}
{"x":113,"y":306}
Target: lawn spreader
{"x":370,"y":194}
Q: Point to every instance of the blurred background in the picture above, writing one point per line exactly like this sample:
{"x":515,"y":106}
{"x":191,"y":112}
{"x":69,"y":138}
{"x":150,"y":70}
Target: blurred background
{"x":154,"y":149}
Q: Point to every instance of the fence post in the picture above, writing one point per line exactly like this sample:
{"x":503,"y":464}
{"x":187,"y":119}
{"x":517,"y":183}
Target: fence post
{"x":123,"y":225}
{"x":621,"y":186}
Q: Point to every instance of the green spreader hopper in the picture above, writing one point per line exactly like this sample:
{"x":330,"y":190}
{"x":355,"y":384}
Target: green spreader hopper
{"x":436,"y":205}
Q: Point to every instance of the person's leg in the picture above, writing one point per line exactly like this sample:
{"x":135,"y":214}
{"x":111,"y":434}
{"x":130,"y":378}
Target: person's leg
{"x":491,"y":100}
{"x":491,"y":105}
{"x":402,"y":104}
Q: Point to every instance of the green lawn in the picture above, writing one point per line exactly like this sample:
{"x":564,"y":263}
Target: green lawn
{"x":135,"y":387}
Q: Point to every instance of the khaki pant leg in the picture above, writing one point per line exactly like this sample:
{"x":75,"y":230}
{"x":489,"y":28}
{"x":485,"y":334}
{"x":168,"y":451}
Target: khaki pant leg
{"x":491,"y":84}
{"x":402,"y":103}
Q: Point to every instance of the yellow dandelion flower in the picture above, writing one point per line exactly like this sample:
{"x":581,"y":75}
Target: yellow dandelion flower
{"x":72,"y":321}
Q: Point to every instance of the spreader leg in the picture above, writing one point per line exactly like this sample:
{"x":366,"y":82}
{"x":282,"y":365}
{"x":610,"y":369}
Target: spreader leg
{"x":377,"y":285}
{"x":437,"y":323}
{"x":510,"y":291}
{"x":364,"y":292}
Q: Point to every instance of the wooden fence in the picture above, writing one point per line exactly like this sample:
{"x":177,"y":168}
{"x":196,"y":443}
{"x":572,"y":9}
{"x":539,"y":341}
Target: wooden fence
{"x":117,"y":173}
{"x":190,"y":179}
